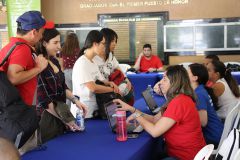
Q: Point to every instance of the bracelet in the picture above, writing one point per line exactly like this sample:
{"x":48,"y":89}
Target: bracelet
{"x":134,"y":110}
{"x":137,"y":114}
{"x":74,"y":99}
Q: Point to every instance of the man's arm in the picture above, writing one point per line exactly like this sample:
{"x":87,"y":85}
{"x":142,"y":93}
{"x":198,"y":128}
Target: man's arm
{"x":137,"y":64}
{"x":17,"y":75}
{"x":160,"y":65}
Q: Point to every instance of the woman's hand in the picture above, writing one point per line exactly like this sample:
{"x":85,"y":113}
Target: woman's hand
{"x":73,"y":126}
{"x":115,"y":87}
{"x":157,"y":89}
{"x":131,"y":119}
{"x":82,"y":107}
{"x":124,"y":106}
{"x":129,"y":85}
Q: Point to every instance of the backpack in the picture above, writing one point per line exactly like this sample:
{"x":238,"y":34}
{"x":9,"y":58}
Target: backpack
{"x":18,"y":121}
{"x":102,"y":99}
{"x":233,"y":67}
{"x":230,"y":146}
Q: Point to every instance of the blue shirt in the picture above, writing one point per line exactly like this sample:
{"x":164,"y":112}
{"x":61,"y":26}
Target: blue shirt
{"x":213,"y":131}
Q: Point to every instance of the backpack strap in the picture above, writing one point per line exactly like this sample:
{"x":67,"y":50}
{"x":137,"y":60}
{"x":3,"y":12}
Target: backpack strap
{"x":10,"y":51}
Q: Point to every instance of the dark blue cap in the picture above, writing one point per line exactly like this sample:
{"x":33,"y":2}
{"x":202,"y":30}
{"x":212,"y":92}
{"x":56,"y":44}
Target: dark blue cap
{"x":31,"y":20}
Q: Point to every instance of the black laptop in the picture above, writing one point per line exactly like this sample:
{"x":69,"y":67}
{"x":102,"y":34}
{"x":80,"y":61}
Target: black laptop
{"x":150,"y":101}
{"x":110,"y":109}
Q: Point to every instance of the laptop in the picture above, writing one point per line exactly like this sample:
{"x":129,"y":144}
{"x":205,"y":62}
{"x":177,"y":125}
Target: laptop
{"x":110,"y":109}
{"x":150,"y":101}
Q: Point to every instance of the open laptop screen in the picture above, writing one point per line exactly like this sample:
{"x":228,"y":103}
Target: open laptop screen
{"x":110,"y":110}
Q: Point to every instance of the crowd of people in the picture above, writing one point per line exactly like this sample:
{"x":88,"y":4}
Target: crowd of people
{"x":198,"y":98}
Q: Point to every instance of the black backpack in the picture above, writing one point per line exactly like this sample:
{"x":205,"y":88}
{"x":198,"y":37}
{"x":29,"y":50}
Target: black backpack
{"x":102,"y":99}
{"x":18,"y":121}
{"x":233,"y":67}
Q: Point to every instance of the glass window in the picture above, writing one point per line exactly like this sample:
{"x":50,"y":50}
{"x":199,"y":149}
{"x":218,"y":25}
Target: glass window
{"x":179,"y":37}
{"x":209,"y":37}
{"x":233,"y":36}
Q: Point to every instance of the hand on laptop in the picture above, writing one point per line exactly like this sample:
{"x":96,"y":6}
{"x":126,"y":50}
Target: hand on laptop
{"x":124,"y":106}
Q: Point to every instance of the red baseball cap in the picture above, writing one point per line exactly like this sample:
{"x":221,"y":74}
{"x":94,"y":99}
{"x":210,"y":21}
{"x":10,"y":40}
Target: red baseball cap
{"x":49,"y":25}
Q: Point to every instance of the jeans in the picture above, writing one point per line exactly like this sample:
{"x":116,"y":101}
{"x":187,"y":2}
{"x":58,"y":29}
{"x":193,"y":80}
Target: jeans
{"x":68,"y":81}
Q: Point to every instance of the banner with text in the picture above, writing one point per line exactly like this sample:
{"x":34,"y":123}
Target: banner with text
{"x":17,"y":7}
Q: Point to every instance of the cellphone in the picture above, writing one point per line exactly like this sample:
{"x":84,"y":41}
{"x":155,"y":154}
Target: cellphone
{"x":132,"y":135}
{"x":59,"y":55}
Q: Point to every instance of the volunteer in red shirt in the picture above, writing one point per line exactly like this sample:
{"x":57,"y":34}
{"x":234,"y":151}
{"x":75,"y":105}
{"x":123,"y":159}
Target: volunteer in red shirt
{"x":23,"y":66}
{"x":178,"y":121}
{"x":147,"y":62}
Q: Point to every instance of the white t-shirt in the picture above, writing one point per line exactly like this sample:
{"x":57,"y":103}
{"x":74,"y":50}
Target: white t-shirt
{"x":227,"y":101}
{"x":85,"y":71}
{"x":108,"y":66}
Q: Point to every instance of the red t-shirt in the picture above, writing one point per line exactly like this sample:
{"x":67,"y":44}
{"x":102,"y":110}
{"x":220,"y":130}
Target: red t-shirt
{"x":153,"y":62}
{"x":22,"y":56}
{"x":185,"y":138}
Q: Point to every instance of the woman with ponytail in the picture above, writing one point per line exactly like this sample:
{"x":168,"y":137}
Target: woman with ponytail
{"x":212,"y":126}
{"x":225,"y":87}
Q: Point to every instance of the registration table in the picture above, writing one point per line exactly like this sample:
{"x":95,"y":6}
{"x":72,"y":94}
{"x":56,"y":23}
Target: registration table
{"x":140,"y":81}
{"x":97,"y":142}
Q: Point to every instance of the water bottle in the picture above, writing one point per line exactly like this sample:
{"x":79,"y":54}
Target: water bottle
{"x":150,"y":89}
{"x":80,"y":119}
{"x":121,"y":126}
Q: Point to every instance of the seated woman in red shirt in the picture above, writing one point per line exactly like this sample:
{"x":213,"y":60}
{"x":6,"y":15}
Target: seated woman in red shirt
{"x":179,"y":120}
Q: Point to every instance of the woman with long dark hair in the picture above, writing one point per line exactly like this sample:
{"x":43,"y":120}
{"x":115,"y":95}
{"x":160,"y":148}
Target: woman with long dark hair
{"x":206,"y":100}
{"x":179,"y":121}
{"x":52,"y":89}
{"x":85,"y":73}
{"x":108,"y":63}
{"x":225,"y":87}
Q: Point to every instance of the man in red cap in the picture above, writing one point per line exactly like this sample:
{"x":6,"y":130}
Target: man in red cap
{"x":23,"y":66}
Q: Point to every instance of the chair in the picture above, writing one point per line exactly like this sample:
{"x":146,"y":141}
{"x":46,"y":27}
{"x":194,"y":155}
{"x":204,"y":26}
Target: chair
{"x":231,"y":122}
{"x":185,"y":64}
{"x":205,"y":152}
{"x":237,"y":155}
{"x":124,"y":67}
